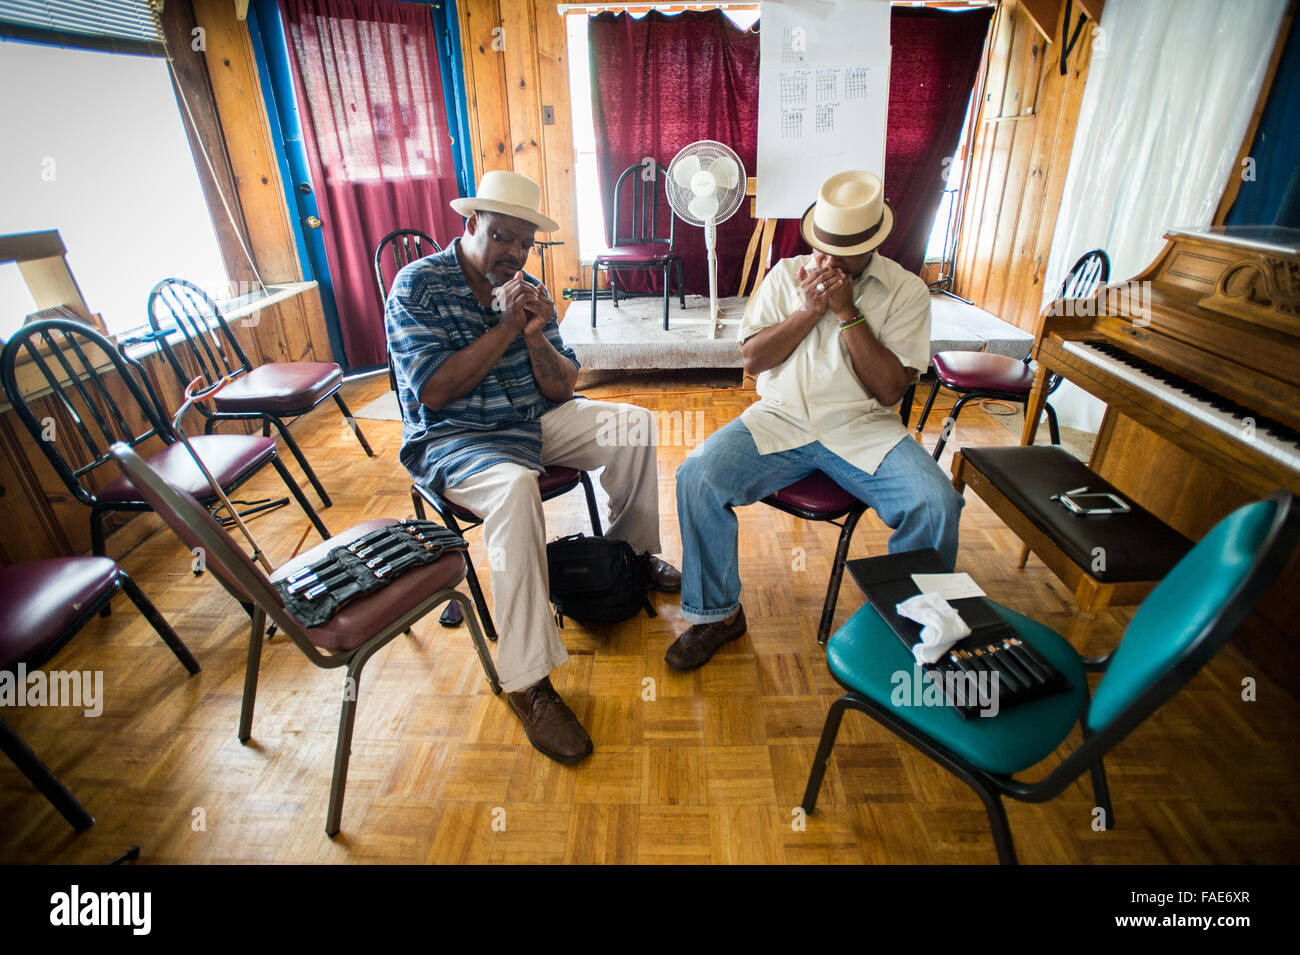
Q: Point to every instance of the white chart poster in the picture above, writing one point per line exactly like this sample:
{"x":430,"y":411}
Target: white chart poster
{"x":823,"y":97}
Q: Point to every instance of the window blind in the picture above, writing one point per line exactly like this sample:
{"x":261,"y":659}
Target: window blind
{"x":124,"y":26}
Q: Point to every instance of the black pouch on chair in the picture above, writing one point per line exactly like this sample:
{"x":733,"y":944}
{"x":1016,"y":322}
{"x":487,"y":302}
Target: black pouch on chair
{"x":597,"y":580}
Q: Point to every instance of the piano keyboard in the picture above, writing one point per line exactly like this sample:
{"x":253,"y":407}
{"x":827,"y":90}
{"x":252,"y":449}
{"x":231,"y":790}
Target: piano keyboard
{"x":1224,"y":415}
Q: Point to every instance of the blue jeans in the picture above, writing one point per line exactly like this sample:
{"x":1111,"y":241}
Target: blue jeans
{"x":909,"y":492}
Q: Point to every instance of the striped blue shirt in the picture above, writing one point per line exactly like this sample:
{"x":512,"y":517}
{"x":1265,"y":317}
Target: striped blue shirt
{"x":430,"y":314}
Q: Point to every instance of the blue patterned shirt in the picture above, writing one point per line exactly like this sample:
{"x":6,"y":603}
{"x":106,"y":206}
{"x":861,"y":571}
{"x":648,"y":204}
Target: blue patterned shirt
{"x":430,"y":314}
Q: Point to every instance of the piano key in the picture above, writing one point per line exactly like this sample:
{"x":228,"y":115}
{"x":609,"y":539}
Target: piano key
{"x":1224,"y":415}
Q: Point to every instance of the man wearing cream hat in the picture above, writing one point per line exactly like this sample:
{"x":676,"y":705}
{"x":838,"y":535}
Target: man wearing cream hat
{"x":486,"y":386}
{"x":835,"y":339}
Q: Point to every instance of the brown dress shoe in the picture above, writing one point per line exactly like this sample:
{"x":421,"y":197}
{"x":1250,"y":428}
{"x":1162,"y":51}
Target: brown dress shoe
{"x":550,"y":724}
{"x":700,"y":641}
{"x":664,"y":577}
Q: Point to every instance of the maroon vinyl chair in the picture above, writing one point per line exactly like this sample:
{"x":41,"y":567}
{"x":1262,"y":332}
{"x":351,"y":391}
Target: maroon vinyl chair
{"x":818,"y":498}
{"x":269,"y":393}
{"x":402,"y":247}
{"x":349,"y":639}
{"x":551,"y":483}
{"x":974,"y":376}
{"x":93,"y":395}
{"x":44,"y":605}
{"x":642,"y":246}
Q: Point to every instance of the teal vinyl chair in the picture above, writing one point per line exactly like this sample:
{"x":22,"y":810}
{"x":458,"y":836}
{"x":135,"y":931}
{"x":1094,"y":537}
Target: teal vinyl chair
{"x":1181,"y":624}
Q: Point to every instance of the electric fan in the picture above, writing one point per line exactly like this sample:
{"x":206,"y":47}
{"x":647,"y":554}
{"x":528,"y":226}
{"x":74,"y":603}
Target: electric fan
{"x":705,"y":184}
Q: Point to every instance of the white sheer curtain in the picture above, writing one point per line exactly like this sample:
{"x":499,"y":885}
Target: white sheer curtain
{"x":1170,"y":92}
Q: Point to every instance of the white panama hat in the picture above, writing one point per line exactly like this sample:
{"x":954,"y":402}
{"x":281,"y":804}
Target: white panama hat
{"x":850,"y":216}
{"x":510,"y":194}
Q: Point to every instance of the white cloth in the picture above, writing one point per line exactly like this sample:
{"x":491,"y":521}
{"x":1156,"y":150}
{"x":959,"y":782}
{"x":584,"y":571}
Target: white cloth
{"x":942,"y":626}
{"x":815,"y":395}
{"x":580,"y":434}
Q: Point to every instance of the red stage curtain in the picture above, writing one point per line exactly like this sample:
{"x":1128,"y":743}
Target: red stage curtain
{"x":660,"y":82}
{"x":375,"y":127}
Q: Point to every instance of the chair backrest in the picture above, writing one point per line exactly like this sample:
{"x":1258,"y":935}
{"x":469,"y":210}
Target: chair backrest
{"x":92,"y":398}
{"x":208,"y":344}
{"x":1195,"y":610}
{"x":402,"y":247}
{"x":1092,"y":270}
{"x":645,"y":210}
{"x":242,"y":577}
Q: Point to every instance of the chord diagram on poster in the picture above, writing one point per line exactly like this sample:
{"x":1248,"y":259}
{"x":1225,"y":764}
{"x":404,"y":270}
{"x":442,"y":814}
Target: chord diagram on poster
{"x":855,"y":82}
{"x":826,"y":118}
{"x":793,"y":44}
{"x":826,"y":83}
{"x":794,"y":88}
{"x":791,"y":123}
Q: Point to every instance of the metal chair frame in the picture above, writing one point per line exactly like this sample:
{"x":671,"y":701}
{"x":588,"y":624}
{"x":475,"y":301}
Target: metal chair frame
{"x":405,"y":246}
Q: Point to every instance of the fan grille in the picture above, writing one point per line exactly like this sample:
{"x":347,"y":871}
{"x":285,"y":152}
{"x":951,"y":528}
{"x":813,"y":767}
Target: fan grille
{"x":705,"y":152}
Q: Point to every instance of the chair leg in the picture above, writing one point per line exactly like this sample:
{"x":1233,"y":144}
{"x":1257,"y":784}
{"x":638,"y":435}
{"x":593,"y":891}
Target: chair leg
{"x":343,"y":748}
{"x":302,"y":460}
{"x":1053,"y":427}
{"x":681,"y":285}
{"x":43,"y":779}
{"x":159,"y":623}
{"x":595,"y":270}
{"x":1101,"y":792}
{"x":829,"y":732}
{"x":592,"y":509}
{"x":352,"y":423}
{"x":1024,"y":555}
{"x":97,"y":548}
{"x":485,"y":658}
{"x":613,"y":284}
{"x":837,"y":574}
{"x":250,"y":673}
{"x":665,"y":296}
{"x":471,"y":578}
{"x":950,"y":423}
{"x":392,"y":374}
{"x":301,"y":498}
{"x":929,"y":403}
{"x":998,"y":823}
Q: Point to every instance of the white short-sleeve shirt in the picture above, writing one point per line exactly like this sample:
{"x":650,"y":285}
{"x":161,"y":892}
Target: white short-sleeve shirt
{"x":815,"y":395}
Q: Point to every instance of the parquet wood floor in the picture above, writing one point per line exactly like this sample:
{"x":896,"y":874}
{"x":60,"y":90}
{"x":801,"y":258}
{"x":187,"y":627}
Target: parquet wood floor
{"x":709,"y":770}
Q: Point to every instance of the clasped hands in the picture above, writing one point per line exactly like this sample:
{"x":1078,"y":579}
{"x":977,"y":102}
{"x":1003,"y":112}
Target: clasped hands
{"x":525,"y":308}
{"x":825,"y":288}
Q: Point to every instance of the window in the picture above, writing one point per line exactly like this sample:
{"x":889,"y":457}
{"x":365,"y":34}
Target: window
{"x":102,"y":156}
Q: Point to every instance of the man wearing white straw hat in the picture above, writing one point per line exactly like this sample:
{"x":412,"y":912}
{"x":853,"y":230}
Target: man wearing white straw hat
{"x":835,"y":339}
{"x":486,"y":386}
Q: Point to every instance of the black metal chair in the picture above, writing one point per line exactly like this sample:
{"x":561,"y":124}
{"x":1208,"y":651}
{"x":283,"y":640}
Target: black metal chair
{"x":269,"y":393}
{"x":45,"y":604}
{"x":348,"y":639}
{"x":552,"y":483}
{"x":403,"y":246}
{"x":818,"y":498}
{"x":1182,"y":623}
{"x":642,"y":246}
{"x":80,"y":394}
{"x":978,"y":375}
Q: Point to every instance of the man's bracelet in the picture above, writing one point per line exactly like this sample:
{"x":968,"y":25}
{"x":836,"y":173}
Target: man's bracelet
{"x":857,"y":318}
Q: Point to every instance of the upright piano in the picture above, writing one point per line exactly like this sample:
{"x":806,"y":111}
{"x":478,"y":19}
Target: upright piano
{"x":1198,"y":361}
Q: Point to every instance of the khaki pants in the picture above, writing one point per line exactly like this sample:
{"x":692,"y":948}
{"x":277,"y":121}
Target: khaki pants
{"x":579,"y":434}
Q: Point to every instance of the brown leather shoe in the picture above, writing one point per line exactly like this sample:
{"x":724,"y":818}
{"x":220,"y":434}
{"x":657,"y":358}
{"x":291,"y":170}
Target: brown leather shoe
{"x":700,"y":641}
{"x":664,"y":577}
{"x":549,"y":723}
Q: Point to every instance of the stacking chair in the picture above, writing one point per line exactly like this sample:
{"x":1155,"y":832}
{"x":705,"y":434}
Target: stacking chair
{"x":44,"y":604}
{"x":349,"y":639}
{"x":642,"y":246}
{"x":403,"y":246}
{"x":552,"y":483}
{"x":90,"y":394}
{"x":974,"y":375}
{"x":269,"y":393}
{"x":818,"y":498}
{"x":1181,"y":624}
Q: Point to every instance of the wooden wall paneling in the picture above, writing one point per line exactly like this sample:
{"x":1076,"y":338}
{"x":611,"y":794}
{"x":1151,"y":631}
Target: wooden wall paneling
{"x":563,"y":266}
{"x":24,"y":506}
{"x":246,"y":126}
{"x":485,"y":84}
{"x":524,"y":110}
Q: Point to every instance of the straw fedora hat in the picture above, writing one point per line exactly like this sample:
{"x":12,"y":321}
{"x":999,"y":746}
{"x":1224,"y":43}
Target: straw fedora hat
{"x":850,"y":216}
{"x":510,"y":194}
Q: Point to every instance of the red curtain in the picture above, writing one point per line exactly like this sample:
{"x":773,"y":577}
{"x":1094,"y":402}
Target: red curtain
{"x":375,"y":127}
{"x":661,"y":82}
